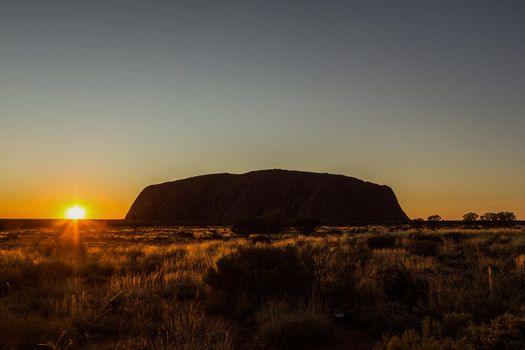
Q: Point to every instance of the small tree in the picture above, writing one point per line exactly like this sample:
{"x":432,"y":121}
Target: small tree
{"x":489,"y":217}
{"x":506,"y":216}
{"x":434,"y":221}
{"x":419,"y":222}
{"x":470,"y":217}
{"x":434,"y":218}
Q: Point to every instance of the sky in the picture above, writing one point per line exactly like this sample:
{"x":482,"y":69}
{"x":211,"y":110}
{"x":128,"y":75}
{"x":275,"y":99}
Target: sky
{"x":99,"y":99}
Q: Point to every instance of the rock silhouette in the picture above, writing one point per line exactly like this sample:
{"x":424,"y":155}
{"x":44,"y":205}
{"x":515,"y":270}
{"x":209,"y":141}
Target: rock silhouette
{"x":220,"y":199}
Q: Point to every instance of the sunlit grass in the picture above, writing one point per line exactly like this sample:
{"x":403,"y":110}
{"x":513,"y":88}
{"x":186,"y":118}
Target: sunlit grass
{"x":146,"y":288}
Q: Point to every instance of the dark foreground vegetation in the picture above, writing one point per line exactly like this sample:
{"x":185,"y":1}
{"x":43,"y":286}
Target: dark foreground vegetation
{"x":378,"y":288}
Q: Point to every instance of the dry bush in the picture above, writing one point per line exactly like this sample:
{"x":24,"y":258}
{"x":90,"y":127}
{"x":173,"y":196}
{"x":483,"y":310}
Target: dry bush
{"x":255,"y":224}
{"x":398,"y":284}
{"x":162,"y":325}
{"x":183,"y":289}
{"x":289,"y":325}
{"x":505,"y":332}
{"x":306,"y":225}
{"x":260,"y":239}
{"x":260,"y":273}
{"x":337,"y":269}
{"x":33,"y":275}
{"x":423,"y":247}
{"x":25,"y":332}
{"x":381,"y":242}
{"x":456,"y":237}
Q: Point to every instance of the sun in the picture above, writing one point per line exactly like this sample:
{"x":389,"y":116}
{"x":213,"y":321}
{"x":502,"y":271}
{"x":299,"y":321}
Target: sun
{"x":75,"y":213}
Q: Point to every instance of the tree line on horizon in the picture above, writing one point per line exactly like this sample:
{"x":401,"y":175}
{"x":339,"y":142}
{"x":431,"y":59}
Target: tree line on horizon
{"x":470,"y":217}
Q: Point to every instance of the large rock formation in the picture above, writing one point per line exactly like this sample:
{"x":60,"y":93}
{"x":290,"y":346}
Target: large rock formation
{"x":220,"y":199}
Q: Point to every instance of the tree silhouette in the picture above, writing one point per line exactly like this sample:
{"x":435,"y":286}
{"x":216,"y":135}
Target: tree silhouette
{"x":489,"y":217}
{"x":470,"y":217}
{"x":505,"y":218}
{"x":434,"y":218}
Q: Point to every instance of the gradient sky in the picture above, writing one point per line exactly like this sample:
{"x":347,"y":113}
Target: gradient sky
{"x":101,"y":98}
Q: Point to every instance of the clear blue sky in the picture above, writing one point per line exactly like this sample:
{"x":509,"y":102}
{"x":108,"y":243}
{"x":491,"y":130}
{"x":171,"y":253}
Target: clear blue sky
{"x":101,"y":98}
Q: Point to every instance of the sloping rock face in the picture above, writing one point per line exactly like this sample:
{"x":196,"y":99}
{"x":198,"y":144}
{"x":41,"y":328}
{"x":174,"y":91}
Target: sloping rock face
{"x":220,"y":199}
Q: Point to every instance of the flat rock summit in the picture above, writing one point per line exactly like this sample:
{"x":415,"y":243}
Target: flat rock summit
{"x":220,"y":199}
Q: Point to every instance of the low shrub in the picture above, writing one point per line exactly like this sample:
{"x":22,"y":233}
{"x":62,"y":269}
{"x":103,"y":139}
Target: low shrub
{"x":454,"y":323}
{"x":183,"y":289}
{"x":28,"y":331}
{"x":150,"y":263}
{"x":423,"y":247}
{"x":214,"y":236}
{"x":505,"y":332}
{"x":286,"y":325}
{"x":398,"y":285}
{"x":134,"y":254}
{"x":306,"y":225}
{"x":260,"y":239}
{"x":455,"y":237}
{"x":381,"y":242}
{"x":182,"y":326}
{"x":96,"y":271}
{"x":33,"y":275}
{"x":296,"y":334}
{"x":255,"y":224}
{"x":260,"y":273}
{"x":412,"y":340}
{"x":359,"y":251}
{"x":102,"y":315}
{"x":426,"y":237}
{"x":185,"y":234}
